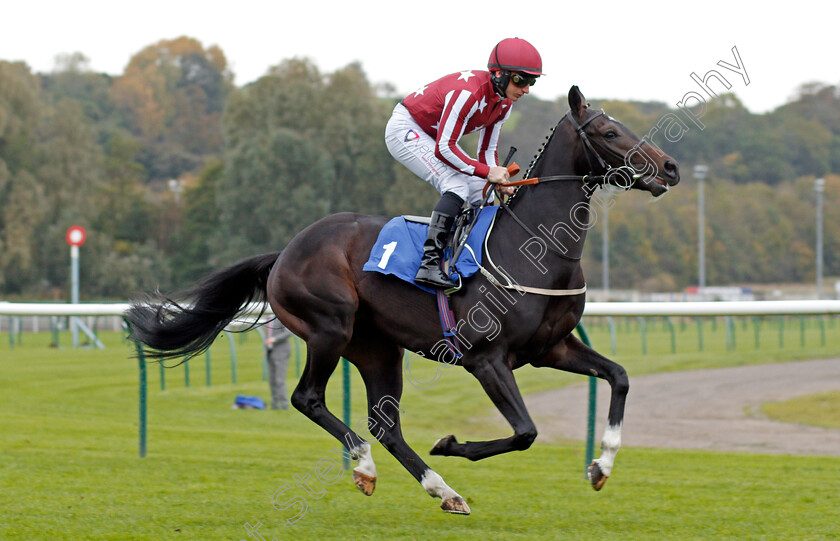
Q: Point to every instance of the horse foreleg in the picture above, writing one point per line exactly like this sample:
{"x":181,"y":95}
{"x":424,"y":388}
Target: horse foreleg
{"x":381,"y":369}
{"x":496,"y":377}
{"x":572,"y":355}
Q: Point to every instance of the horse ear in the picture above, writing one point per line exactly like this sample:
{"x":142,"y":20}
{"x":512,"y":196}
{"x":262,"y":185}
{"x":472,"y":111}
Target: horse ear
{"x":576,"y":101}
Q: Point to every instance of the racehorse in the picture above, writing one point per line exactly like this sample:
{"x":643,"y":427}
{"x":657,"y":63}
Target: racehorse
{"x":521,"y":310}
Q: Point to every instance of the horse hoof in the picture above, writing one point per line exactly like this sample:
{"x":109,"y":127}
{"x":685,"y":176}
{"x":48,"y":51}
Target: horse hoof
{"x":442,"y":445}
{"x":366,"y":483}
{"x":596,"y":476}
{"x":455,"y":505}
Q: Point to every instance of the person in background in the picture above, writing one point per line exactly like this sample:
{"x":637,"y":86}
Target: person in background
{"x":425,"y":128}
{"x":278,"y":351}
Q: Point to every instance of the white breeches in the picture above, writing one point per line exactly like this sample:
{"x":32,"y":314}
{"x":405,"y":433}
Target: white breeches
{"x":415,"y":149}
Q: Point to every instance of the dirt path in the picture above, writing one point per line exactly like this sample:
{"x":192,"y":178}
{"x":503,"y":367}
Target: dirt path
{"x":705,"y":409}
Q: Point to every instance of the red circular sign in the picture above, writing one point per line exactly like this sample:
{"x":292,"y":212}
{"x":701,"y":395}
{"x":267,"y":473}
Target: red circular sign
{"x":76,"y":235}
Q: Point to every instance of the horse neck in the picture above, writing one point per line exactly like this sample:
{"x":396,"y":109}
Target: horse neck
{"x":559,"y":209}
{"x":557,"y":212}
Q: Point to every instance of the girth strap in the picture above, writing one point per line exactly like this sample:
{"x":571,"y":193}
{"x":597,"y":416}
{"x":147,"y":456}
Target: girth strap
{"x":447,"y":322}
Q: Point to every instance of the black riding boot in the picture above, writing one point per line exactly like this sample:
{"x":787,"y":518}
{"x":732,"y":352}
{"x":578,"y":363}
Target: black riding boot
{"x":431,"y":272}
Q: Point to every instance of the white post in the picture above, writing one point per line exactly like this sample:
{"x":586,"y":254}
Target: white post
{"x":606,"y":254}
{"x":74,"y":290}
{"x":700,"y":176}
{"x":819,"y":187}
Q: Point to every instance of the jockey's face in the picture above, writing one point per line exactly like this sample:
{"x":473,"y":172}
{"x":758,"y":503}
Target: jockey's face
{"x":513,"y":92}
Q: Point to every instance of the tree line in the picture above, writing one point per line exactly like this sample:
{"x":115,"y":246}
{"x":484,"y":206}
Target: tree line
{"x":174,"y":171}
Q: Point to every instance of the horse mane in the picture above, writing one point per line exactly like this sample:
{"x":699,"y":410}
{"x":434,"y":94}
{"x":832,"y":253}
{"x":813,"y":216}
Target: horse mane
{"x":538,"y":156}
{"x":537,"y":159}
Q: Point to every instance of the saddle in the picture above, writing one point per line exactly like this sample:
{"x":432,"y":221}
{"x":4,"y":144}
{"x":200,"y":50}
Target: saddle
{"x":399,"y":247}
{"x":457,"y":238}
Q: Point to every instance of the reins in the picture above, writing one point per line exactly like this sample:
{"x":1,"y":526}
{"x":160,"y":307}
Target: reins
{"x":599,"y":180}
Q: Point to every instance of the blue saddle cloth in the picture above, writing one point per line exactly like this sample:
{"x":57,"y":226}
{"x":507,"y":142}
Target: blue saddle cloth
{"x":399,"y":248}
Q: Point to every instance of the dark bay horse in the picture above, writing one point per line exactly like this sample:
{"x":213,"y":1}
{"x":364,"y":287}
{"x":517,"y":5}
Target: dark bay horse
{"x":522,"y":311}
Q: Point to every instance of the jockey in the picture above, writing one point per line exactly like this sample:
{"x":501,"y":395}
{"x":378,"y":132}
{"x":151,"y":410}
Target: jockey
{"x":425,"y":127}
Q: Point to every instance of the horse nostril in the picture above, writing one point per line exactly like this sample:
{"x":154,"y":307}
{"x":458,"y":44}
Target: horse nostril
{"x":672,"y":168}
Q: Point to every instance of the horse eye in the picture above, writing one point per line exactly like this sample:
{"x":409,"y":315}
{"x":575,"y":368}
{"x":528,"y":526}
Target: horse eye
{"x":611,"y":134}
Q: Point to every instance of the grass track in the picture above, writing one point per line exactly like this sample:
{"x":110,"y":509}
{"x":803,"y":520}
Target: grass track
{"x":68,"y":438}
{"x":821,"y":409}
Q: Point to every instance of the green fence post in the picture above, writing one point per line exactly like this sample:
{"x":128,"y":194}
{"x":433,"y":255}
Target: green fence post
{"x":802,"y":331}
{"x":673,"y":334}
{"x":141,"y":362}
{"x":54,"y":329}
{"x":734,"y":335}
{"x":11,"y":333}
{"x":730,"y":333}
{"x":345,"y":377}
{"x":757,"y":326}
{"x":94,"y":328}
{"x":593,"y":395}
{"x":187,"y":372}
{"x":232,"y":345}
{"x":781,"y":332}
{"x":611,"y":321}
{"x":822,"y":330}
{"x":643,"y":328}
{"x":699,"y":333}
{"x":162,"y":376}
{"x":207,"y":366}
{"x":261,"y":334}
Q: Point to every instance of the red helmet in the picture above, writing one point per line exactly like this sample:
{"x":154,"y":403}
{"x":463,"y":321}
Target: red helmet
{"x":514,"y":54}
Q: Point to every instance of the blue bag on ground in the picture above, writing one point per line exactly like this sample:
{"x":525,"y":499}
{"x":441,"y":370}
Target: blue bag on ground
{"x":249,"y":402}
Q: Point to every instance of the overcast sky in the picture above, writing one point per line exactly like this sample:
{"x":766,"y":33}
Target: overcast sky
{"x":633,"y":49}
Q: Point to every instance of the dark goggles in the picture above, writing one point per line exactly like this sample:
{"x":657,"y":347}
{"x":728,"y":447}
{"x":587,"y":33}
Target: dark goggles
{"x":522,"y":80}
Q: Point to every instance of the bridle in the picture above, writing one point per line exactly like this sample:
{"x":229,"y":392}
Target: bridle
{"x":588,"y":148}
{"x":589,"y":152}
{"x":598,"y":180}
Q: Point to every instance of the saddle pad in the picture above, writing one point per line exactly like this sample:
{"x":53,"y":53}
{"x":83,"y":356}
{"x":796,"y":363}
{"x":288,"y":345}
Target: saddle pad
{"x":399,"y":248}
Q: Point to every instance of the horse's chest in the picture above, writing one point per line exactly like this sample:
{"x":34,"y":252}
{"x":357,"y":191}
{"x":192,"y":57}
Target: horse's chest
{"x":552,"y":331}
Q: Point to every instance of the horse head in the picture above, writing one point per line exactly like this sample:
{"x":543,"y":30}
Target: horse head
{"x":610,"y":148}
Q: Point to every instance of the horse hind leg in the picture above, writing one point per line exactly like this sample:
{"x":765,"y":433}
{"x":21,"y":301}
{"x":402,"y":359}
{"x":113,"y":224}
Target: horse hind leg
{"x":572,"y":355}
{"x":497,"y":380}
{"x":309,"y":398}
{"x":381,"y":368}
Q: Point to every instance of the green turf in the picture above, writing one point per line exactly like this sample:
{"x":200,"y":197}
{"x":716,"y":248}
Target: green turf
{"x":70,"y":466}
{"x":822,"y":409}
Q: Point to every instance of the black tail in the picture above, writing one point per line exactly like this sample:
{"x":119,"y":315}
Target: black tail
{"x":177,"y":330}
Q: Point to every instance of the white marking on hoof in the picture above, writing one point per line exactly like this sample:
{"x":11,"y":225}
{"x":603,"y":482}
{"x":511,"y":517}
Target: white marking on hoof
{"x":363,"y":455}
{"x":610,"y":445}
{"x":436,"y":487}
